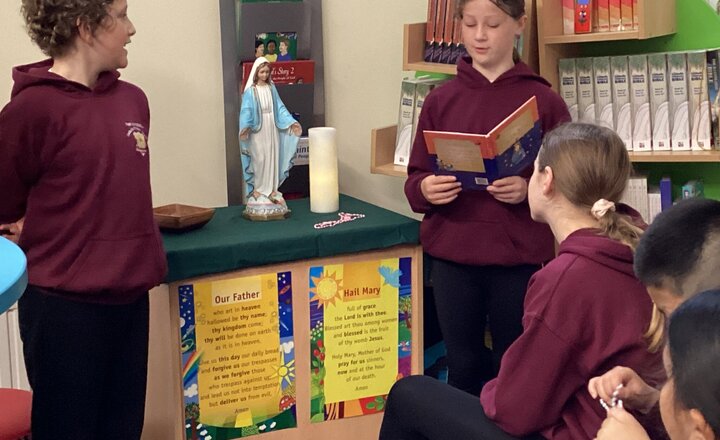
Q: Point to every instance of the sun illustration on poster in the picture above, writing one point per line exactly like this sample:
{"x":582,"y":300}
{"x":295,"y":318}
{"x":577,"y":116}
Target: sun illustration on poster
{"x":326,"y":290}
{"x":285,"y":371}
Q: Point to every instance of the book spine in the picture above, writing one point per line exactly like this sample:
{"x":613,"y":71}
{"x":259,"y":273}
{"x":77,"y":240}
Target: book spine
{"x":430,"y":29}
{"x":699,"y":104}
{"x":458,"y":47}
{"x":642,"y":131}
{"x":603,"y":92}
{"x":622,"y":112}
{"x":405,"y":122}
{"x":586,"y":94}
{"x":679,"y":101}
{"x":626,"y":13}
{"x":447,"y":44}
{"x":439,"y":30}
{"x":568,"y":10}
{"x":603,"y":11}
{"x":666,"y":200}
{"x":583,"y":16}
{"x":636,"y":16}
{"x":654,"y":205}
{"x":713,"y":70}
{"x":660,"y":120}
{"x":568,"y":86}
{"x":615,"y":16}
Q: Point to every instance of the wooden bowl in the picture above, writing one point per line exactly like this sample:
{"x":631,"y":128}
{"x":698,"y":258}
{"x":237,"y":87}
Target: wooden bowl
{"x":177,"y":217}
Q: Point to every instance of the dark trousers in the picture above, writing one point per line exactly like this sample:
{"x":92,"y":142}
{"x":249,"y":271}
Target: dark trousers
{"x":465,"y":298}
{"x":87,"y":366}
{"x":423,"y":408}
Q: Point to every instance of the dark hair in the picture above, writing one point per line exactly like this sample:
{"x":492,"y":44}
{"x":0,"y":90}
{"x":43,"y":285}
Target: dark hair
{"x":272,"y":41}
{"x":53,"y":24}
{"x":513,"y":8}
{"x":590,"y":163}
{"x":694,"y":345}
{"x":681,"y":248}
{"x":259,"y":43}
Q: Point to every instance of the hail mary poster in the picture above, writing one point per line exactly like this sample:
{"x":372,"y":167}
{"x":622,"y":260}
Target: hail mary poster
{"x":360,"y":336}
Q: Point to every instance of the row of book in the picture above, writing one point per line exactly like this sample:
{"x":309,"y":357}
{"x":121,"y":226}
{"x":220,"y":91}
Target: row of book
{"x":443,"y":35}
{"x":584,"y":16}
{"x":655,"y":102}
{"x":412,"y":96}
{"x":649,"y":200}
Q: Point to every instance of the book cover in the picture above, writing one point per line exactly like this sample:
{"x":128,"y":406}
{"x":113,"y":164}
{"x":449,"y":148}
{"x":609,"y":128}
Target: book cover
{"x":479,"y":159}
{"x":285,"y":72}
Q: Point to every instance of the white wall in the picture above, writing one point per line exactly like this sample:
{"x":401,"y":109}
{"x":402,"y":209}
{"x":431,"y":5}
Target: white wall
{"x":175,"y":58}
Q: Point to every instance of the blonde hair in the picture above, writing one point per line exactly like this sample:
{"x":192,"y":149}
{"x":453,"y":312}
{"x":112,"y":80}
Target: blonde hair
{"x":513,"y":8}
{"x":591,"y":163}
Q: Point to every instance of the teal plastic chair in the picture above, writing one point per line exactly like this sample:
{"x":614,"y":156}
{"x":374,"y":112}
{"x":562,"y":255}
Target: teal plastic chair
{"x":15,"y":405}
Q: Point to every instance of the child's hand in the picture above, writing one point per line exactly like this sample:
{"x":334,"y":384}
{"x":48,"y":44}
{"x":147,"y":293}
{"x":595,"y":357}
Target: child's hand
{"x":440,"y":190}
{"x":634,"y":393}
{"x":619,"y":424}
{"x":511,"y":189}
{"x":12,"y":231}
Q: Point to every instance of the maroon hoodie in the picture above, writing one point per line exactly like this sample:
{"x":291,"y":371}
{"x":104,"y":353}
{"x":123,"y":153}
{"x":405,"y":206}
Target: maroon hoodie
{"x":75,"y":164}
{"x":475,"y":228}
{"x":585,"y":313}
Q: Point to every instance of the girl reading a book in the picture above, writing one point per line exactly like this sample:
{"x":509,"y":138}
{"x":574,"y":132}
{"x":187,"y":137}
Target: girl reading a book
{"x":690,"y":400}
{"x":585,"y":311}
{"x":484,"y":244}
{"x":268,"y":140}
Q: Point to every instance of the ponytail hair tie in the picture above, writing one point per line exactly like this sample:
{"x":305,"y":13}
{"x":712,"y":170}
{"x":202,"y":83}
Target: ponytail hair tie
{"x":601,"y":207}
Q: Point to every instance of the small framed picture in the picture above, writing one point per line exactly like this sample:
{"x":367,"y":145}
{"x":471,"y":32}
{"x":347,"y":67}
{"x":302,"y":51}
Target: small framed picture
{"x":276,"y":46}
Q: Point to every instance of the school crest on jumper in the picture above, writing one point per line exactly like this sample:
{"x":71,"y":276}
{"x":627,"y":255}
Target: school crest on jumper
{"x":137,"y":132}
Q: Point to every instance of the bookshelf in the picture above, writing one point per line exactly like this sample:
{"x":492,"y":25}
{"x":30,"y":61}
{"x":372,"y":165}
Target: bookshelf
{"x":657,"y":18}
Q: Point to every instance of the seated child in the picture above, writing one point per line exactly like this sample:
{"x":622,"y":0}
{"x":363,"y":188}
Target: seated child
{"x":690,"y":399}
{"x":584,"y":311}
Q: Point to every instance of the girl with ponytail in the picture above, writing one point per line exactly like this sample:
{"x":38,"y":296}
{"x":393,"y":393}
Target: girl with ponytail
{"x":584,"y":311}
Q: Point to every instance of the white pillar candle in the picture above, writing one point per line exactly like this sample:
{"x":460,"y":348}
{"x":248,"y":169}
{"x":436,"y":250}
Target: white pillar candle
{"x":324,"y":196}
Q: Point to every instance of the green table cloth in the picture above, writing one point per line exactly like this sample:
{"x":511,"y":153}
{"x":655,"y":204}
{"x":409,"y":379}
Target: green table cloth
{"x":230,"y":242}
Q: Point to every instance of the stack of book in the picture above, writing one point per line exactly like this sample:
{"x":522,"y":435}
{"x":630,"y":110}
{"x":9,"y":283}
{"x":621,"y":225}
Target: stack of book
{"x":412,"y":96}
{"x":655,"y":102}
{"x":584,"y":16}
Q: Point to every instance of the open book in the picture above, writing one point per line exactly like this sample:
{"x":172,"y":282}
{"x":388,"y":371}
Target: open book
{"x":479,"y":159}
